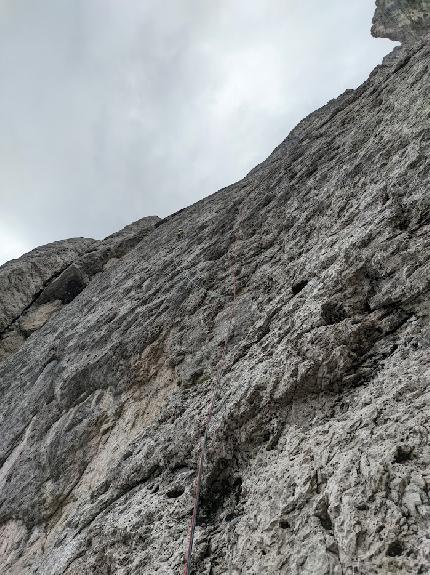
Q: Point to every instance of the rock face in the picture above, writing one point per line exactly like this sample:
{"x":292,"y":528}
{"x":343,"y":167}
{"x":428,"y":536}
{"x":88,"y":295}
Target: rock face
{"x":403,"y":20}
{"x":37,"y":285}
{"x":301,"y":296}
{"x":23,"y":280}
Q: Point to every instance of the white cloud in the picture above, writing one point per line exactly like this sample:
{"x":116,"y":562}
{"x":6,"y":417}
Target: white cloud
{"x":11,"y":244}
{"x":110,"y":110}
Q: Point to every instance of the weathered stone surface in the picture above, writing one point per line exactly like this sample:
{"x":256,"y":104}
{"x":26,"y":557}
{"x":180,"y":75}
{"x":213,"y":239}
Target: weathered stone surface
{"x":36,"y":318}
{"x":35,"y":286}
{"x":402,"y":20}
{"x":23,"y":279}
{"x":318,"y":457}
{"x":114,"y":247}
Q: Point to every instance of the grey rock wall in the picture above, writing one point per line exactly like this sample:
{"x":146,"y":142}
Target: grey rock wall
{"x":24,"y":279}
{"x":318,"y":458}
{"x":38,"y":284}
{"x":402,"y":20}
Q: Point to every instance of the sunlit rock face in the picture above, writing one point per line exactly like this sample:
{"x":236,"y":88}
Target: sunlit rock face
{"x":402,"y":20}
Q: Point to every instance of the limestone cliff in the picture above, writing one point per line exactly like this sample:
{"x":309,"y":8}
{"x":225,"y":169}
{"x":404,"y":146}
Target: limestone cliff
{"x":306,"y":287}
{"x":403,"y":20}
{"x":37,"y":285}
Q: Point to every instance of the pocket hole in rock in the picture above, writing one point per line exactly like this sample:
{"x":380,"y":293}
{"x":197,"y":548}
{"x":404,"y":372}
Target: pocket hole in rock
{"x":332,"y":313}
{"x":299,"y":286}
{"x":324,"y":516}
{"x":175,"y":492}
{"x":395,"y":549}
{"x":403,"y":454}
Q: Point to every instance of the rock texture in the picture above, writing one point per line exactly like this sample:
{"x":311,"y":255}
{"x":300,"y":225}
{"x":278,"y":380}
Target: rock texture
{"x":37,"y":285}
{"x":318,"y":457}
{"x":403,"y":20}
{"x":23,"y":280}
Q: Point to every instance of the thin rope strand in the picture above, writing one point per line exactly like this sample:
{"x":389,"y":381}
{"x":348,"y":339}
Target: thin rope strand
{"x":217,"y":378}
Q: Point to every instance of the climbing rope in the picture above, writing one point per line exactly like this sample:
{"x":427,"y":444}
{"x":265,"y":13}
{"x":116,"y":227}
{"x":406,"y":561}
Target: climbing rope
{"x":192,"y":528}
{"x":217,"y":378}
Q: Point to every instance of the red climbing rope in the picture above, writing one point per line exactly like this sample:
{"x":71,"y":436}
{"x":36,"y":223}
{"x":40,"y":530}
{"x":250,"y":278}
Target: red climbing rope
{"x":192,"y":528}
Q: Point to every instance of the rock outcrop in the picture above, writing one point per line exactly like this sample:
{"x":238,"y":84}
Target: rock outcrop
{"x":37,"y":285}
{"x":402,"y":20}
{"x":23,"y":280}
{"x":301,"y":294}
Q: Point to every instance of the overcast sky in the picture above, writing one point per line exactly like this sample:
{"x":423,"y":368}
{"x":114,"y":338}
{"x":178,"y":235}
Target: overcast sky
{"x":111,"y":110}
